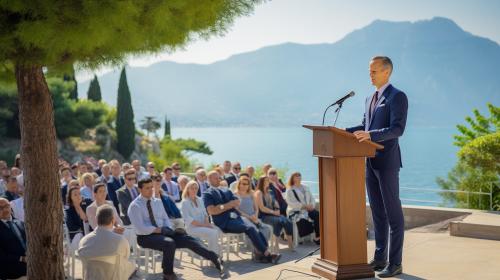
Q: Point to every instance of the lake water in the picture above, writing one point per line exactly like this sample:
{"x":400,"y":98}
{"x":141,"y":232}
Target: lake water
{"x":427,"y":152}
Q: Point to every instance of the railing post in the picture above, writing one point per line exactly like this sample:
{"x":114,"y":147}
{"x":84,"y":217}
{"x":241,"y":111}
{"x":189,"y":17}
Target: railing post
{"x":468,"y":200}
{"x":480,"y":197}
{"x":491,"y":196}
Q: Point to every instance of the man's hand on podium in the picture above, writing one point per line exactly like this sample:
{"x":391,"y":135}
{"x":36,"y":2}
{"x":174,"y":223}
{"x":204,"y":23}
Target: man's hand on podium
{"x":362,"y":135}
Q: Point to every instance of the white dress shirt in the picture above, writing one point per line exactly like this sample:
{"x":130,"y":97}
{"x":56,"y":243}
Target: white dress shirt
{"x":92,"y":214}
{"x":172,"y":190}
{"x":17,"y":206}
{"x":139,"y":215}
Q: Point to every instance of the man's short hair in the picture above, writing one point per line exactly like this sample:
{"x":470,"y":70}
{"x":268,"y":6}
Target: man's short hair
{"x":144,"y":181}
{"x":105,"y":215}
{"x":65,"y":168}
{"x":386,"y":61}
{"x":167,"y":168}
{"x":98,"y":186}
{"x":129,"y":172}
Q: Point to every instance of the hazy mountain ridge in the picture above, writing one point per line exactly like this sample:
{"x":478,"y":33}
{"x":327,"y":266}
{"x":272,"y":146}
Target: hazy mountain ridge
{"x":445,"y":71}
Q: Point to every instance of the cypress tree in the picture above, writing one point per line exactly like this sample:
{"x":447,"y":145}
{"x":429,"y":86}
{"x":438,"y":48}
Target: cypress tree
{"x":125,"y":127}
{"x":94,"y":92}
{"x":71,"y":77}
{"x":167,"y":128}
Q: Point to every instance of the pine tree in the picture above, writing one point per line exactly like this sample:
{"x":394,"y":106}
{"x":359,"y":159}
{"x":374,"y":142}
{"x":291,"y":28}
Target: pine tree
{"x":94,"y":92}
{"x":125,"y":127}
{"x":39,"y":35}
{"x":167,"y":128}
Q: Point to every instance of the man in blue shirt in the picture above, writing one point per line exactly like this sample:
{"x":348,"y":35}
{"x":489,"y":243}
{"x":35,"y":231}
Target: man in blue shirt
{"x":221,"y":206}
{"x":154,"y":231}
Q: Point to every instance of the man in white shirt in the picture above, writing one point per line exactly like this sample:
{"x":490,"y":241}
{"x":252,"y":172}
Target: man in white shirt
{"x":103,"y":242}
{"x":154,"y":231}
{"x":201,"y":179}
{"x":170,"y":187}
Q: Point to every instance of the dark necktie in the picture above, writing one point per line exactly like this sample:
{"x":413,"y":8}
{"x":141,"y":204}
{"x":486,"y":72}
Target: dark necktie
{"x":16,"y":232}
{"x":132,"y":193}
{"x":373,"y":104}
{"x":150,"y":211}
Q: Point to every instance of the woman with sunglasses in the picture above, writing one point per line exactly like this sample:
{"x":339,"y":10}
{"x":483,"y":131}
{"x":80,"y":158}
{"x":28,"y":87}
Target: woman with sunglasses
{"x":248,"y":208}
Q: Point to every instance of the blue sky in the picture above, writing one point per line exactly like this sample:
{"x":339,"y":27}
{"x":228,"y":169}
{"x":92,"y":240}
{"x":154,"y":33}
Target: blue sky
{"x":326,"y":21}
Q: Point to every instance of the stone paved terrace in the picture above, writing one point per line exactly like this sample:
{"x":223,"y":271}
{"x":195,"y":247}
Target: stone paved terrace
{"x":430,"y":252}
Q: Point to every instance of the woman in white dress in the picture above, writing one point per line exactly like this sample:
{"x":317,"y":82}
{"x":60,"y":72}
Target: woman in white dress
{"x":196,"y":218}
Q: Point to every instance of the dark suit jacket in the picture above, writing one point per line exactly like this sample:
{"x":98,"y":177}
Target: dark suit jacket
{"x":64,"y":192}
{"x":230,"y":179}
{"x":113,"y":185}
{"x":11,"y":251}
{"x":125,"y":198}
{"x":10,"y":196}
{"x":385,"y":126}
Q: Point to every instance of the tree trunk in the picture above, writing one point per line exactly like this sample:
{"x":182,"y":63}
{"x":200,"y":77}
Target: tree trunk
{"x":42,"y":198}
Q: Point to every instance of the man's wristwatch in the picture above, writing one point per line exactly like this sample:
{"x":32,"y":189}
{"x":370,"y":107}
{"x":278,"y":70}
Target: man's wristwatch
{"x":221,"y":206}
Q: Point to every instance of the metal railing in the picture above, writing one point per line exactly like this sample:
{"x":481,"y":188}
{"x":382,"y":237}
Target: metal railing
{"x":468,"y":194}
{"x":480,"y":194}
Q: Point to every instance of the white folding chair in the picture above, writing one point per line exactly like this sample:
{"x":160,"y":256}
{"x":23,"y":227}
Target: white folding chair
{"x":69,"y":252}
{"x":150,"y":256}
{"x":296,"y":237}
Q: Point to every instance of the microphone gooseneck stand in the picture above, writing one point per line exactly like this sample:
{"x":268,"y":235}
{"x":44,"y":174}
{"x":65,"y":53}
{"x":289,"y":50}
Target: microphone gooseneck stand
{"x":337,"y":111}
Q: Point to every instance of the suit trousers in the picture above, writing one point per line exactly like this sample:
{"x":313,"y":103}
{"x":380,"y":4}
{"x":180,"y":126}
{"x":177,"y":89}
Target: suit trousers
{"x":168,"y":245}
{"x":382,"y":186}
{"x":238,"y":226}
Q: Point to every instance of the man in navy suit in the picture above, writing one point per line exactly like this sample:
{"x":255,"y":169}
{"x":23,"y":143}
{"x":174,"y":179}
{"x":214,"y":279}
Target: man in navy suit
{"x":384,"y":122}
{"x":222,"y":206}
{"x":12,"y":244}
{"x":114,"y":183}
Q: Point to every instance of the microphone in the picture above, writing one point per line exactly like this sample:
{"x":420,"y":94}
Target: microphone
{"x":341,"y":100}
{"x":339,"y":103}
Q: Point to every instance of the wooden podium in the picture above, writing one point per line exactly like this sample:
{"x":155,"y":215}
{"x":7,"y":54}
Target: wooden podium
{"x":341,"y":159}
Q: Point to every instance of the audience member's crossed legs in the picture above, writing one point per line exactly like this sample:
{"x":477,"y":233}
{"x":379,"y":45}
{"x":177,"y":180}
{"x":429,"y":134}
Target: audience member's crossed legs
{"x":168,"y":241}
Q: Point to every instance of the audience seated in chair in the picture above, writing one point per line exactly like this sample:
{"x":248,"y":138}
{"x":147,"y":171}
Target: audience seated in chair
{"x":100,"y":199}
{"x":269,"y":211}
{"x":154,"y":231}
{"x":170,"y":187}
{"x":127,"y":194}
{"x":114,"y":183}
{"x":74,"y":215}
{"x":221,"y":204}
{"x":301,"y":203}
{"x":196,"y":218}
{"x":172,"y":210}
{"x":105,"y":242}
{"x":248,"y":208}
{"x":12,"y":189}
{"x":12,"y":244}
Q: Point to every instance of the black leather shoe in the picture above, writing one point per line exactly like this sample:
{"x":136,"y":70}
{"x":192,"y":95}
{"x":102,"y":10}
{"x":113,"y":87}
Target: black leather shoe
{"x":378,"y":265}
{"x":391,"y":270}
{"x":219,"y":265}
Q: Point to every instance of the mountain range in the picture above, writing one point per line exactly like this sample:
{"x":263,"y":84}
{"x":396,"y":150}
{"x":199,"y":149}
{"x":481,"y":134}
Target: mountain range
{"x":445,"y":71}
